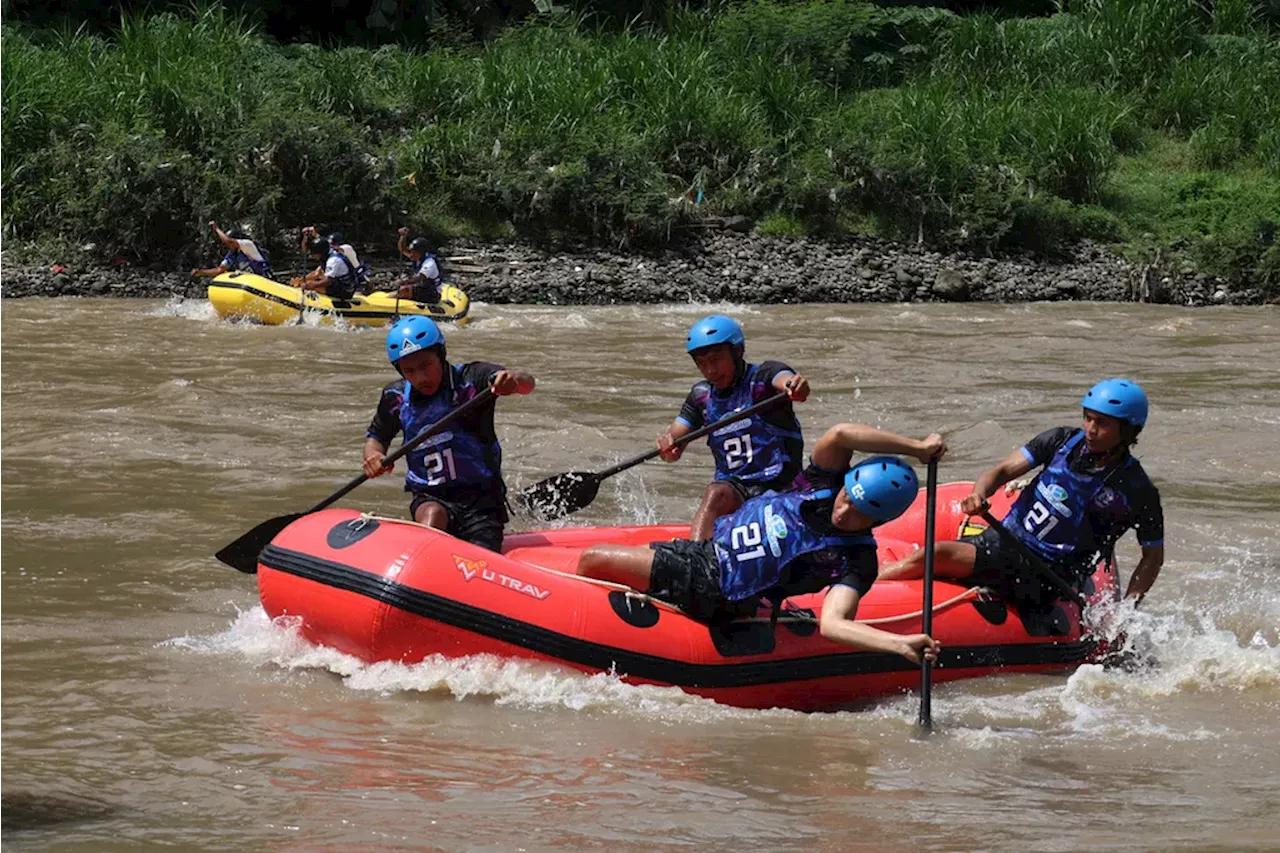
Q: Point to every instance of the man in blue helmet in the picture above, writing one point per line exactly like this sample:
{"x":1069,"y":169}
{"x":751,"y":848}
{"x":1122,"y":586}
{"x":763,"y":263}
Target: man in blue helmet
{"x":782,"y":544}
{"x":456,"y":476}
{"x":752,"y":456}
{"x":242,"y":255}
{"x":1089,"y":492}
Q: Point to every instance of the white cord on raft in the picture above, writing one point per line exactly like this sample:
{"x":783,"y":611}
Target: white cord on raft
{"x":634,"y":594}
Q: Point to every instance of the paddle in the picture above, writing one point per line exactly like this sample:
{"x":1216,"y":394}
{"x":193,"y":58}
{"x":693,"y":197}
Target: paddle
{"x":926,"y":622}
{"x":558,"y":496}
{"x":242,"y":554}
{"x":1037,"y":564}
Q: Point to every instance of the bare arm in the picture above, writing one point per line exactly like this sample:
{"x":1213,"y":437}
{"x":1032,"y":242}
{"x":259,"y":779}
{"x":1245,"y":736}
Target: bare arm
{"x":231,"y":244}
{"x":795,"y":386}
{"x":666,"y":441}
{"x":210,"y":272}
{"x":840,"y":608}
{"x":374,"y":451}
{"x":402,"y":244}
{"x":1144,"y":574}
{"x":1013,"y":465}
{"x":514,"y":381}
{"x":836,"y":447}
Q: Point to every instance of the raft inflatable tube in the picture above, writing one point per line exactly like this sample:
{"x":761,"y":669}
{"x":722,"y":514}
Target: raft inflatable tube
{"x":245,"y":296}
{"x":387,"y":590}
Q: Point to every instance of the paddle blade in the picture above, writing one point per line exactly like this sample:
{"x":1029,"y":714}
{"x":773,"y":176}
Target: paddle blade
{"x":242,"y":554}
{"x":558,"y":496}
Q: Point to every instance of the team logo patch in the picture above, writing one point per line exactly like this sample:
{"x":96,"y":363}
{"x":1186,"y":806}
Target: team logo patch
{"x":408,"y":347}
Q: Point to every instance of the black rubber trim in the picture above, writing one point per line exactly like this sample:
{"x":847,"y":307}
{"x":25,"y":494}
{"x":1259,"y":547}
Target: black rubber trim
{"x":596,"y":656}
{"x":363,"y":314}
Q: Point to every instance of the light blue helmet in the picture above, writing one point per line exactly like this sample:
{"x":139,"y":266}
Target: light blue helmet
{"x":881,"y":487}
{"x":411,"y":335}
{"x":1119,"y":398}
{"x":716,"y":329}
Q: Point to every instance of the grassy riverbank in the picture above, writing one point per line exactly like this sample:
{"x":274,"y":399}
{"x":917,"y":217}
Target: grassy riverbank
{"x":1145,"y":123}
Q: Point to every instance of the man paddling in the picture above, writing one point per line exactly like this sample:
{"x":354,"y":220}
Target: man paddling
{"x":424,"y":282}
{"x":338,"y":244}
{"x":455,"y":477}
{"x":779,"y":545}
{"x":242,"y":255}
{"x":335,"y":276}
{"x":1089,"y":492}
{"x":752,"y":456}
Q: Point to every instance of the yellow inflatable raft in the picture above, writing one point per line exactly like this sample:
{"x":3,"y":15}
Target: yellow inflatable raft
{"x":245,"y":296}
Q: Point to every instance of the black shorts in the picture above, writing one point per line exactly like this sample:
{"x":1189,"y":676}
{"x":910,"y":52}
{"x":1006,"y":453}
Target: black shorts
{"x":339,"y":290}
{"x":1004,"y":567}
{"x":479,"y":522}
{"x":427,"y":293}
{"x":748,"y":489}
{"x":686,"y":574}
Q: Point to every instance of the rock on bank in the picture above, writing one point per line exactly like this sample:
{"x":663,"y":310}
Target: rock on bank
{"x":726,"y":266}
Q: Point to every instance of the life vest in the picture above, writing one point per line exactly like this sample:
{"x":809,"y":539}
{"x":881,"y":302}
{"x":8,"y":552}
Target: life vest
{"x":752,"y":450}
{"x":436,"y":280}
{"x":453,"y":461}
{"x":1052,"y":515}
{"x":755,"y":545}
{"x":353,"y":260}
{"x":347,"y":281}
{"x":238,"y":260}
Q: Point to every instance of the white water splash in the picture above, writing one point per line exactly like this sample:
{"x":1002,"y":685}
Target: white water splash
{"x":521,"y":683}
{"x":188,"y":309}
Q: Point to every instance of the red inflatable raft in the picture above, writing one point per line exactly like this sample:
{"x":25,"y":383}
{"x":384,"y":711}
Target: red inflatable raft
{"x":380,"y":590}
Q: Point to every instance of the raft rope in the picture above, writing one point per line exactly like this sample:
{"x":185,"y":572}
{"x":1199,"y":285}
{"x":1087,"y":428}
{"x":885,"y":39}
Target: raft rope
{"x":636,"y":595}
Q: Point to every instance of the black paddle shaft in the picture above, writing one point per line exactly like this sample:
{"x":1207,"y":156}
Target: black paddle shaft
{"x":1037,"y":564}
{"x":567,"y":493}
{"x":732,"y":417}
{"x":242,"y":554}
{"x":408,"y":447}
{"x":926,"y":617}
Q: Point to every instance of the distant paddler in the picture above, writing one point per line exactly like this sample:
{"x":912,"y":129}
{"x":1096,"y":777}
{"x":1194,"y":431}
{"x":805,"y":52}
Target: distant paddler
{"x":424,"y":282}
{"x":243,"y":255}
{"x":338,"y":243}
{"x":334,"y":276}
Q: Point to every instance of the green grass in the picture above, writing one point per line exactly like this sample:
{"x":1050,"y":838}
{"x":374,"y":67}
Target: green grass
{"x":1114,"y":120}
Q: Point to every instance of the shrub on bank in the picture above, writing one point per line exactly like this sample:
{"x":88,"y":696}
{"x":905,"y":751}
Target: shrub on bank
{"x":959,"y":131}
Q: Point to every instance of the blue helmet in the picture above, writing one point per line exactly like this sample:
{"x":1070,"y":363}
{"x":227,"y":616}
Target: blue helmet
{"x":881,"y":487}
{"x":1119,"y":398}
{"x":411,"y":335}
{"x":716,"y":329}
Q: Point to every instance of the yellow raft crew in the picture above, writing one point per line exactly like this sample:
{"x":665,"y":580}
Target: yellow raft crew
{"x":766,"y":528}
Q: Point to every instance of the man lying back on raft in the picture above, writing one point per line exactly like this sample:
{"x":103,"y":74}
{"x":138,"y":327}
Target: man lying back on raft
{"x":782,"y":544}
{"x":1090,"y":491}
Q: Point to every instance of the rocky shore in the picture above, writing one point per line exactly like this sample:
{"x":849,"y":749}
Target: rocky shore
{"x":719,"y":266}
